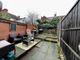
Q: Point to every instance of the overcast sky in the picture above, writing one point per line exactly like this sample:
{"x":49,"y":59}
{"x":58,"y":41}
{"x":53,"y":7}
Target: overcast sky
{"x":42,"y":7}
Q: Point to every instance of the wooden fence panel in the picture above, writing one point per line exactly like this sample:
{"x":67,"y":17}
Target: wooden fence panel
{"x":70,"y":33}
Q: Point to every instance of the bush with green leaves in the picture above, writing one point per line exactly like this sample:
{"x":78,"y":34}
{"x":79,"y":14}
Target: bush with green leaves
{"x":55,"y":21}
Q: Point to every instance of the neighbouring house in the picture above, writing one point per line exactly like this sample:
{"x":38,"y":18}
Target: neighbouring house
{"x":11,"y":27}
{"x":8,"y":24}
{"x":61,"y":17}
{"x":48,"y":19}
{"x":8,"y":16}
{"x":44,"y":18}
{"x":12,"y":24}
{"x":22,"y":20}
{"x":4,"y":14}
{"x":30,"y":25}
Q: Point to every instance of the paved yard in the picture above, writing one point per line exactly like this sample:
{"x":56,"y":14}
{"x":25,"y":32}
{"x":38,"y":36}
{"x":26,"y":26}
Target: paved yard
{"x":48,"y":37}
{"x":43,"y":51}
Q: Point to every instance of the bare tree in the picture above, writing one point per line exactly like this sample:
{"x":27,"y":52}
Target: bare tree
{"x":32,"y":16}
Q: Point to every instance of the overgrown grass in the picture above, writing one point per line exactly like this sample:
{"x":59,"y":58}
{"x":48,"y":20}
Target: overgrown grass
{"x":60,"y":53}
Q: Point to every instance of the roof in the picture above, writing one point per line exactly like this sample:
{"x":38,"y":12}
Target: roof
{"x":13,"y":16}
{"x":50,"y":18}
{"x":8,"y":21}
{"x":60,"y":17}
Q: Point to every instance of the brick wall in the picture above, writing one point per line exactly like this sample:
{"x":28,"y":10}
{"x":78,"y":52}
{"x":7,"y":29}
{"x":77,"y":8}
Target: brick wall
{"x":20,"y":28}
{"x":31,"y":26}
{"x":5,"y":29}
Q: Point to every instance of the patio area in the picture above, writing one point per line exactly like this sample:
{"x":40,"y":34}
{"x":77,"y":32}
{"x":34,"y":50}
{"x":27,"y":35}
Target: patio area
{"x":42,"y":51}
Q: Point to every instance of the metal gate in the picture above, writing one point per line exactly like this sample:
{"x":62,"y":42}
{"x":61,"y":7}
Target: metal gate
{"x":70,"y":33}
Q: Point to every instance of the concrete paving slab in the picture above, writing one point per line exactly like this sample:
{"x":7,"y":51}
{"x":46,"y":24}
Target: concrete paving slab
{"x":46,"y":51}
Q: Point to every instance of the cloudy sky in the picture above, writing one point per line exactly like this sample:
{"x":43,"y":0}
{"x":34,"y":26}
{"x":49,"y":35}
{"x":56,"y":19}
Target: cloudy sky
{"x":41,"y":7}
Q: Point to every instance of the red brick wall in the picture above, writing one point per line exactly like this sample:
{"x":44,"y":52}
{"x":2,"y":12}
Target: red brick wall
{"x":5,"y":29}
{"x":20,"y":29}
{"x":31,"y":26}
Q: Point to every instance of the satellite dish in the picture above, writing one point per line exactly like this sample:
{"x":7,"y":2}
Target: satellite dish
{"x":0,"y":5}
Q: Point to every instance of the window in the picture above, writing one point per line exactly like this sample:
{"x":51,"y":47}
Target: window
{"x":13,"y":27}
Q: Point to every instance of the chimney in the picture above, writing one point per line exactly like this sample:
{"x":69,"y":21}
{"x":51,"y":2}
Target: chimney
{"x":18,"y":17}
{"x":5,"y":10}
{"x":55,"y":14}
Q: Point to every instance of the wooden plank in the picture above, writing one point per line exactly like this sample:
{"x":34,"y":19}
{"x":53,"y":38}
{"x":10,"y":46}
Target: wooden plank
{"x":25,"y":47}
{"x":22,"y":49}
{"x":19,"y":52}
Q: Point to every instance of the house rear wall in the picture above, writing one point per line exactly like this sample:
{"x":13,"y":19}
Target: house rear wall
{"x":5,"y":29}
